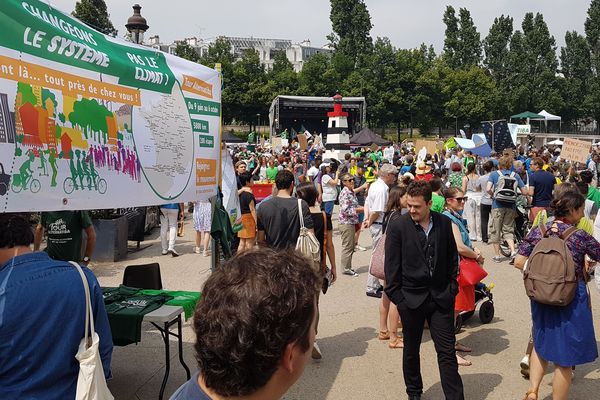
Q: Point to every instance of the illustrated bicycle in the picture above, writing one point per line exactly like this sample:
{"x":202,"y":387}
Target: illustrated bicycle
{"x":30,"y":183}
{"x":99,"y":184}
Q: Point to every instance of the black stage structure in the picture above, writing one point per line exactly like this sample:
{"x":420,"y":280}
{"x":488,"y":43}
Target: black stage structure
{"x":295,"y":112}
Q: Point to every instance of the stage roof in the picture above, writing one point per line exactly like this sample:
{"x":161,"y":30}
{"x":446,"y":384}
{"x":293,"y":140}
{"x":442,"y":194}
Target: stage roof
{"x":310,"y":112}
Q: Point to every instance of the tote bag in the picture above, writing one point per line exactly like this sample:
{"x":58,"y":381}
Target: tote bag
{"x":377,"y":264}
{"x":470,"y":272}
{"x":91,"y":384}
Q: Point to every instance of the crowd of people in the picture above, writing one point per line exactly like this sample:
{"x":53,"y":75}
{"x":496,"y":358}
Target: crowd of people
{"x":428,"y":214}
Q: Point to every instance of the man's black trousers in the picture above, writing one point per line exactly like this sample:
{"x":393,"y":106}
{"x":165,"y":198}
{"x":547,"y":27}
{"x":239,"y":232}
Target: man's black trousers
{"x":441,"y":327}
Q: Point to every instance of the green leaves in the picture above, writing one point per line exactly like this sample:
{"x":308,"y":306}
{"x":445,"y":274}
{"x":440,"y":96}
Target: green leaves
{"x":95,"y":14}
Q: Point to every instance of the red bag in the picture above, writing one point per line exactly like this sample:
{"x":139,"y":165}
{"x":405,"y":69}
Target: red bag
{"x":470,"y":272}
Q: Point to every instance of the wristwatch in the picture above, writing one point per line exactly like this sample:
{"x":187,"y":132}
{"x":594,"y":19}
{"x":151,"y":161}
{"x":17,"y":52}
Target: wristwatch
{"x":86,"y":259}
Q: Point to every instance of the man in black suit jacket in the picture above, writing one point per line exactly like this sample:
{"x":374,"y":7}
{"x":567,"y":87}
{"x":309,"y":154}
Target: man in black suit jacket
{"x":421,"y":264}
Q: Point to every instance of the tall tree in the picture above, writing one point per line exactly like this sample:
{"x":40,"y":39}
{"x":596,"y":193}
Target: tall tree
{"x":592,"y":32}
{"x":351,"y":24}
{"x":95,"y":14}
{"x":184,"y":50}
{"x":451,"y":40}
{"x":497,"y":51}
{"x":220,"y":52}
{"x":317,"y":77}
{"x":534,"y":81}
{"x":282,"y":79}
{"x":469,"y":40}
{"x":576,"y":67}
{"x":462,"y":44}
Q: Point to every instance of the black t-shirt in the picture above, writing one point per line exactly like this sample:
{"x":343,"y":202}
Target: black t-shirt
{"x":279,"y":218}
{"x":245,"y":199}
{"x":360,"y":180}
{"x":543,"y":184}
{"x":318,"y":226}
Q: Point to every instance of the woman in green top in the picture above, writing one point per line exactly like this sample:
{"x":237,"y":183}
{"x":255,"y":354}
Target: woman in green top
{"x":271,"y":170}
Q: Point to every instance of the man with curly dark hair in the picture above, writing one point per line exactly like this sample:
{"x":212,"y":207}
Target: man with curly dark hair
{"x":255,"y":327}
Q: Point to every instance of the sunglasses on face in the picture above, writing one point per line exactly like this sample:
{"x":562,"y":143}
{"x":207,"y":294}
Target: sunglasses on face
{"x":348,"y":180}
{"x":463,"y":199}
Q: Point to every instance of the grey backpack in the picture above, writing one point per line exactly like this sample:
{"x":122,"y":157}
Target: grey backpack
{"x":506,"y":188}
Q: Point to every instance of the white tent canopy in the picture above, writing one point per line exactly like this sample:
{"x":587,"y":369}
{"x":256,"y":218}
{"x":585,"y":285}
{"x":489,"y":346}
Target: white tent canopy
{"x":548,"y":116}
{"x":556,"y":142}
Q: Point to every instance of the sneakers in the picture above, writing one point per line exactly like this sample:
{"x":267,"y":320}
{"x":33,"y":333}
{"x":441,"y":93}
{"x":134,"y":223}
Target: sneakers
{"x":375,"y":293}
{"x":359,"y":248}
{"x":513,"y":254}
{"x":350,"y":271}
{"x":316,"y":352}
{"x":164,"y":252}
{"x":497,"y":259}
{"x":197,"y":250}
{"x":173,"y":253}
{"x":525,"y":362}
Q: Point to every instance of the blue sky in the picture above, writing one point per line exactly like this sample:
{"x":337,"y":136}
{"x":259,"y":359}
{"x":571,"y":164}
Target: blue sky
{"x":406,"y":23}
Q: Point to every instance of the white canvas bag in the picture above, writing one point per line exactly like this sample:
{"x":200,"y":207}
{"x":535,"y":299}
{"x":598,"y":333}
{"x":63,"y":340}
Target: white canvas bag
{"x":91,"y":384}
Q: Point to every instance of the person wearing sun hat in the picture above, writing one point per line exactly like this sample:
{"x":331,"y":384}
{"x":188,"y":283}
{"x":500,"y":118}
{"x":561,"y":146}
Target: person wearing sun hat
{"x":423,"y":172}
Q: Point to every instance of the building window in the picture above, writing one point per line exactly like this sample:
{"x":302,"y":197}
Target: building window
{"x":333,"y":123}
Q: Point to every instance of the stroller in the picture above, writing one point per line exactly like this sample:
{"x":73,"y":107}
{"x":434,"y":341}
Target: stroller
{"x":4,"y":181}
{"x":522,"y":226}
{"x":484,"y":300}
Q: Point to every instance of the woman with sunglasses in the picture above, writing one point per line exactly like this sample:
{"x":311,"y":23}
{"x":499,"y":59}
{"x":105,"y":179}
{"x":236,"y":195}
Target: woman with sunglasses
{"x":465,"y":299}
{"x":348,"y":218}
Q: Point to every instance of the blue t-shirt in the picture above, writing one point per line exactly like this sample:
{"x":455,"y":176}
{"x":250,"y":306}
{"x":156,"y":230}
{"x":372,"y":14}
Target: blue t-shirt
{"x":543,"y":184}
{"x":171,"y":206}
{"x":190,"y":391}
{"x":494,"y":180}
{"x":42,"y":320}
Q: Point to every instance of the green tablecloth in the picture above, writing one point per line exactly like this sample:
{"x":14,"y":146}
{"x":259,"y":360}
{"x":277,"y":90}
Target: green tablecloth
{"x":127,"y":306}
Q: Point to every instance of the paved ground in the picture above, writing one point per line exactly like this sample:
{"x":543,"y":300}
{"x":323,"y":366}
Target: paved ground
{"x":355,"y":364}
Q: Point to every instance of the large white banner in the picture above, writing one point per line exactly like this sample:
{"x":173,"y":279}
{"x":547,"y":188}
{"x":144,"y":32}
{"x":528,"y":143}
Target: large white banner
{"x":90,"y":121}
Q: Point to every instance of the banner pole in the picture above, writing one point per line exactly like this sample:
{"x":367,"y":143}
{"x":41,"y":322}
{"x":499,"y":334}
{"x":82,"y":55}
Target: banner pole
{"x":219,"y":69}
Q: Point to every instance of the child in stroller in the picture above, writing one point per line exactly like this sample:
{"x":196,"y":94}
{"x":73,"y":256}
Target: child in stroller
{"x":484,"y":300}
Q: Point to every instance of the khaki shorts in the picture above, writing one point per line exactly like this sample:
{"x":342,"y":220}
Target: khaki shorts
{"x":501,"y":225}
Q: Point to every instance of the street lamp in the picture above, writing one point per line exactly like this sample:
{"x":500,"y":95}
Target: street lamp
{"x":136,"y":25}
{"x":257,"y":125}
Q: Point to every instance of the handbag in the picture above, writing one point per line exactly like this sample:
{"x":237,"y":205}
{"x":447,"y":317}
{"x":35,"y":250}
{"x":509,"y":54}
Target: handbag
{"x":307,"y":244}
{"x":91,"y":384}
{"x":377,"y":263}
{"x":470,"y":272}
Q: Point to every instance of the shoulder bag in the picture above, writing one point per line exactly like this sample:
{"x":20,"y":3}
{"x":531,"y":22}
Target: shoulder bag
{"x":377,"y":264}
{"x":91,"y":384}
{"x":307,"y":244}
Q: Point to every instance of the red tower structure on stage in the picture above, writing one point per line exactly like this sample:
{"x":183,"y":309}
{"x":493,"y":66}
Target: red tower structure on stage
{"x":337,"y":138}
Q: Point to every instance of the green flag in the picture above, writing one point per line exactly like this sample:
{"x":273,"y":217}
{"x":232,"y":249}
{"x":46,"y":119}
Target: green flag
{"x":450,"y":143}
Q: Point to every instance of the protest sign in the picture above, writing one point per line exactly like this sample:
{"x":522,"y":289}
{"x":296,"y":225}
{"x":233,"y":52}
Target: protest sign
{"x":276,"y":144}
{"x":303,"y":142}
{"x":575,"y":150}
{"x":374,"y":147}
{"x":91,"y":121}
{"x":430,"y":145}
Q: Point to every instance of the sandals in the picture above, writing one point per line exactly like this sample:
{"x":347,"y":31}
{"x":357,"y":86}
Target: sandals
{"x":462,"y":348}
{"x":383,"y":335}
{"x":462,"y":362}
{"x":396,"y":343}
{"x":529,"y":394}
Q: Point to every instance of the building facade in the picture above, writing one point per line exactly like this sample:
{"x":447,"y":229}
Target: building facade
{"x":296,"y":53}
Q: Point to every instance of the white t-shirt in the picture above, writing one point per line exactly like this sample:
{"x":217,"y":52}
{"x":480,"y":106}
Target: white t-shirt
{"x":329,"y":191}
{"x":312,"y":172}
{"x":377,"y":198}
